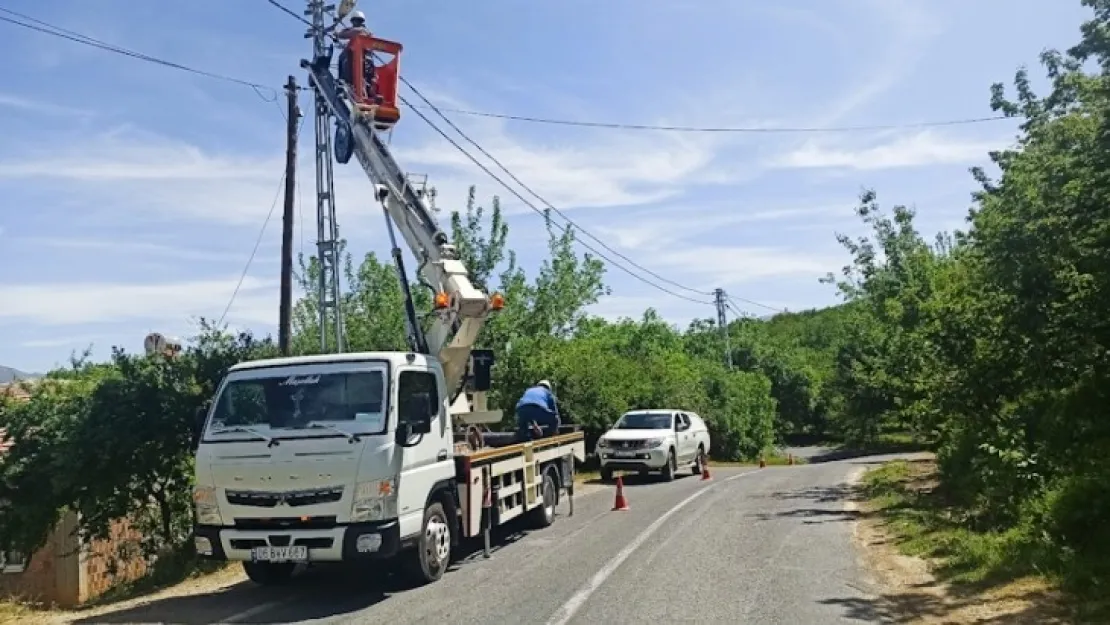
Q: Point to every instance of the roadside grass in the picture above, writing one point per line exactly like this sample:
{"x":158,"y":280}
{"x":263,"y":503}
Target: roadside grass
{"x":15,"y":611}
{"x":904,"y":495}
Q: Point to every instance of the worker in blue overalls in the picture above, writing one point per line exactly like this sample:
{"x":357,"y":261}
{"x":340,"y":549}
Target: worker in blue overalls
{"x":537,"y":414}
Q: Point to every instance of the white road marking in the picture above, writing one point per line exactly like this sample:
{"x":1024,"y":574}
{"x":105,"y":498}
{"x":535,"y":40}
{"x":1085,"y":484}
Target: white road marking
{"x":258,"y":609}
{"x":567,"y":611}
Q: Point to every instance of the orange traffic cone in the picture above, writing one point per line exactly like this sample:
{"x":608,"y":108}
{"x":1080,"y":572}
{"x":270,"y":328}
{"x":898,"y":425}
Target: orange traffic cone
{"x":762,"y":462}
{"x":705,"y":469}
{"x":621,"y":503}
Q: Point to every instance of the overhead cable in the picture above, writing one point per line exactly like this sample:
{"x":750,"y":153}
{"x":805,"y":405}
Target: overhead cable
{"x":50,"y":29}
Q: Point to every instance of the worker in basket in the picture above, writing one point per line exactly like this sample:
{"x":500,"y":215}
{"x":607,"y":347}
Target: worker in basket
{"x":369,"y":76}
{"x":537,"y":414}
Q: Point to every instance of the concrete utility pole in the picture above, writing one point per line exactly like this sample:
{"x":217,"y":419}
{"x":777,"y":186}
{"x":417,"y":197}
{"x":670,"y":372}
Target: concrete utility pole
{"x":285,"y":309}
{"x":327,"y":230}
{"x":722,"y":323}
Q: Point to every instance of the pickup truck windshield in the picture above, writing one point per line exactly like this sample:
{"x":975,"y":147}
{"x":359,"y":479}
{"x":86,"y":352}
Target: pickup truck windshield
{"x":302,"y":401}
{"x":645,"y":421}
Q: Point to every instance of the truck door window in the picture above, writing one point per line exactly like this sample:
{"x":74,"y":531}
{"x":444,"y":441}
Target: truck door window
{"x":412,"y":388}
{"x":681,"y":423}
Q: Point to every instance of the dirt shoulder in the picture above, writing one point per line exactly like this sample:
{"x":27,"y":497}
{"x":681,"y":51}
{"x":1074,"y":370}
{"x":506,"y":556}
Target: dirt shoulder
{"x":908,"y":589}
{"x":201,"y":585}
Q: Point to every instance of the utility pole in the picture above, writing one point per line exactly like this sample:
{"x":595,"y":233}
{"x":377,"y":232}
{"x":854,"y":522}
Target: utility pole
{"x":327,"y":230}
{"x":722,"y":323}
{"x":285,"y":309}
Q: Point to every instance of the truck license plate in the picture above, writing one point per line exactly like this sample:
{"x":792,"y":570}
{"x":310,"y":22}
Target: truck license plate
{"x":624,"y":454}
{"x":280,"y":554}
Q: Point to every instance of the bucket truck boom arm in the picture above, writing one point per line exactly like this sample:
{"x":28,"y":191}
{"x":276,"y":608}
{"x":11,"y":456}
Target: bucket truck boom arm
{"x":461,"y":308}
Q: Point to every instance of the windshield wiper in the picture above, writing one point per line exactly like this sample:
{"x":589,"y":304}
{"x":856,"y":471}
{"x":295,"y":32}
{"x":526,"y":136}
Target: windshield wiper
{"x":316,"y":425}
{"x":270,"y":441}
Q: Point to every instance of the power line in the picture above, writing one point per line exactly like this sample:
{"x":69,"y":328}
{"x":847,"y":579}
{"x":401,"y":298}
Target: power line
{"x":754,"y":303}
{"x":725,"y":129}
{"x":50,"y":29}
{"x":524,"y":186}
{"x":541,"y":199}
{"x":290,"y":12}
{"x":536,"y":210}
{"x":258,"y":241}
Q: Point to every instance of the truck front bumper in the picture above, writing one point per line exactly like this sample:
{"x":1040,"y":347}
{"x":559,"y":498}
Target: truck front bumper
{"x":635,"y":460}
{"x":339,"y":543}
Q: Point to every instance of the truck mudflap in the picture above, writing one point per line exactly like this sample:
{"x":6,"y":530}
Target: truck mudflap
{"x":340,"y":543}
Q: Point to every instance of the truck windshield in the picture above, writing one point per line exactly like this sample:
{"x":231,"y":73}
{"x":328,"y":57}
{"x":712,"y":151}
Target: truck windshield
{"x":299,"y":401}
{"x":644,"y":421}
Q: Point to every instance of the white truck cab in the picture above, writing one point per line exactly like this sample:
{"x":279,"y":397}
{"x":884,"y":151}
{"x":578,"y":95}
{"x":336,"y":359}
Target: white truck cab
{"x":347,"y":457}
{"x":660,"y":440}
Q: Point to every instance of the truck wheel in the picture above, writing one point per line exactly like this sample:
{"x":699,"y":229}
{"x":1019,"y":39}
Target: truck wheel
{"x":543,"y":515}
{"x":606,"y":475}
{"x":428,"y":562}
{"x":269,"y":573}
{"x":670,"y":468}
{"x":698,"y":460}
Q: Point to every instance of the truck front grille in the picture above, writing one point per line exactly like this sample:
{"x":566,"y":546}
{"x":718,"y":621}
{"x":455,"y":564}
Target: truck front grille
{"x":270,"y":499}
{"x":286,"y":523}
{"x":627,"y":444}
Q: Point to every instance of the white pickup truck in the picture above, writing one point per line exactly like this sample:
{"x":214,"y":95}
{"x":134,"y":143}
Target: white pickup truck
{"x":654,"y":440}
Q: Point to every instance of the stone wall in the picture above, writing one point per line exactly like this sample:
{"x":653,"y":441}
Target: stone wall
{"x":113,"y":561}
{"x":52,"y":574}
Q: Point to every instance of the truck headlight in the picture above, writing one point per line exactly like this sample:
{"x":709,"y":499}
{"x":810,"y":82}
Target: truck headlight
{"x":654,"y":442}
{"x":206,"y":505}
{"x":374,"y":500}
{"x":602,"y":443}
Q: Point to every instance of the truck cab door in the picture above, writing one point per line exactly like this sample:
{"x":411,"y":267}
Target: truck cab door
{"x":684,"y":441}
{"x":426,"y":459}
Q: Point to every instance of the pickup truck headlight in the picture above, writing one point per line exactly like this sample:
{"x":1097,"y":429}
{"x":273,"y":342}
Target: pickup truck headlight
{"x":206,"y":505}
{"x":602,"y":443}
{"x":652,"y":443}
{"x":375,"y":500}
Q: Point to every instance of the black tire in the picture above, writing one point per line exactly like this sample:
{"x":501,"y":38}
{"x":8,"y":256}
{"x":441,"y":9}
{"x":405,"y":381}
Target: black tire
{"x":606,"y":475}
{"x":698,"y":460}
{"x":544,"y":515}
{"x":670,"y":468}
{"x":269,"y":573}
{"x":429,"y":560}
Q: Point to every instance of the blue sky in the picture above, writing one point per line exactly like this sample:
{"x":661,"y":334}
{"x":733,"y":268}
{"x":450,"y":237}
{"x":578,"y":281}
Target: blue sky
{"x":133,"y":194}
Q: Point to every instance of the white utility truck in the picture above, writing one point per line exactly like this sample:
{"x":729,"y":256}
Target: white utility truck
{"x":380,"y":455}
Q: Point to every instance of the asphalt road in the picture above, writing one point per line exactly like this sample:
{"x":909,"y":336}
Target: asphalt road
{"x":762,"y":546}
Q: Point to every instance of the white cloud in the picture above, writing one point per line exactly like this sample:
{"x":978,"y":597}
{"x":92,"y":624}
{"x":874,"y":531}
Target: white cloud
{"x":127,"y":174}
{"x":675,"y":225}
{"x":36,"y":106}
{"x":610,"y":173}
{"x":675,"y":311}
{"x":574,"y":168}
{"x":166,"y":303}
{"x":910,"y":150}
{"x":136,"y":248}
{"x":896,"y":45}
{"x":60,"y":342}
{"x":723,"y":266}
